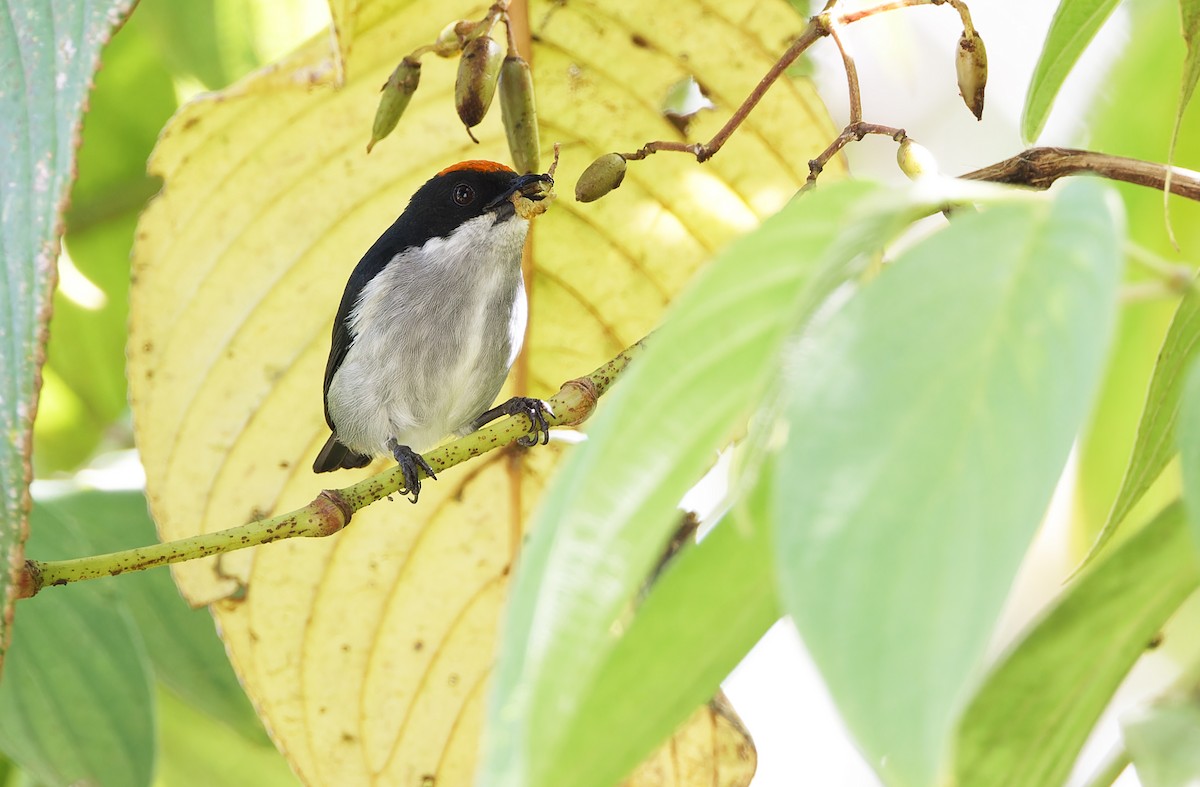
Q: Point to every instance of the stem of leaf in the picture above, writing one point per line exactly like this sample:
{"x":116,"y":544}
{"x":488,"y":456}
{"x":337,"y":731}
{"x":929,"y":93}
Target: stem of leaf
{"x":1111,"y":769}
{"x":1180,"y":279}
{"x":332,"y":509}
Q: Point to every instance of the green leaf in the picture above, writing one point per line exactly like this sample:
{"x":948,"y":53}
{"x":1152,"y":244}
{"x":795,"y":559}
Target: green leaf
{"x":76,"y":701}
{"x":84,"y":391}
{"x":1153,"y":49}
{"x":197,"y":751}
{"x":1074,"y":25}
{"x":1189,"y":446}
{"x":1155,"y":445}
{"x":1164,"y":743}
{"x":1189,"y":13}
{"x":227,"y":39}
{"x":682,"y":399}
{"x":50,"y":52}
{"x":930,"y":419}
{"x":670,"y":660}
{"x":1039,"y":703}
{"x":591,"y":549}
{"x":182,"y":642}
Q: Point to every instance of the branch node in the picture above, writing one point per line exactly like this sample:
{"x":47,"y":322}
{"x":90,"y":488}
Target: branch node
{"x":29,"y":580}
{"x":332,"y":511}
{"x":586,"y":395}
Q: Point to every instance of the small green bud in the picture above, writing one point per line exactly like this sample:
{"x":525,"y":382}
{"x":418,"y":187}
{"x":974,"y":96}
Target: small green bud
{"x":519,"y":114}
{"x":478,"y":71}
{"x":602,"y":176}
{"x":397,"y":92}
{"x":915,"y":160}
{"x":971,"y":65}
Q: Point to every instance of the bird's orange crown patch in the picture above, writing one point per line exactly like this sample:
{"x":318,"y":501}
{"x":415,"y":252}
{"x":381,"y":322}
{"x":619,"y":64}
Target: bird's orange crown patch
{"x":476,"y":165}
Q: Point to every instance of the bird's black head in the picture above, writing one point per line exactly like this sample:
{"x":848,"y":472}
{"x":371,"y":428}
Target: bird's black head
{"x":467,"y":190}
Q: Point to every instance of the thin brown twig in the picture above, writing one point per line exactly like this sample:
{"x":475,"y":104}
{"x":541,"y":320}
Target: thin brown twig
{"x":851,"y":133}
{"x":895,"y":5}
{"x":705,"y":151}
{"x":819,"y":26}
{"x":851,"y":77}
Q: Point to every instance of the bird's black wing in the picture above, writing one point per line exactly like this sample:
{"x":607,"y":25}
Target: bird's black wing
{"x":337,"y":351}
{"x":384,"y":250}
{"x":335,"y":455}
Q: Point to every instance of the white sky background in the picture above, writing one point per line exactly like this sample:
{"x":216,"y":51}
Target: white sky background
{"x":905,"y":63}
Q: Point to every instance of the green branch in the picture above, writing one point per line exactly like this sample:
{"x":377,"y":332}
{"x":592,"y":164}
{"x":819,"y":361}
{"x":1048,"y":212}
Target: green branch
{"x":332,"y":509}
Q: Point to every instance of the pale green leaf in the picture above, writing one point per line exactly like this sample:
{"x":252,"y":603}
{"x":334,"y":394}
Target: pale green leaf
{"x":689,"y":393}
{"x":655,"y":435}
{"x":1164,"y":743}
{"x":670,"y":659}
{"x":1039,"y":703}
{"x":224,"y":40}
{"x":1074,"y":25}
{"x":1155,"y":444}
{"x":49,"y":52}
{"x":1141,"y":76}
{"x":76,"y":701}
{"x":1189,"y":444}
{"x":929,"y":420}
{"x":181,"y":642}
{"x":195,"y":750}
{"x":83,"y":389}
{"x":1189,"y":12}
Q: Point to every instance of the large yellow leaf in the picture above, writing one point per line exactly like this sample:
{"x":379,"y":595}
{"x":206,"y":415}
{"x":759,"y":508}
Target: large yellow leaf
{"x":711,"y":749}
{"x":367,"y":653}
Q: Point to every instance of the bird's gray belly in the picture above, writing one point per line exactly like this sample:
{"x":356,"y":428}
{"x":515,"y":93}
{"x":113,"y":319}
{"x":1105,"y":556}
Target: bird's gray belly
{"x":433,"y":366}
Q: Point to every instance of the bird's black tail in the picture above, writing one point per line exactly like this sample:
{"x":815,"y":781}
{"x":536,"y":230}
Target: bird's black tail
{"x":335,"y":456}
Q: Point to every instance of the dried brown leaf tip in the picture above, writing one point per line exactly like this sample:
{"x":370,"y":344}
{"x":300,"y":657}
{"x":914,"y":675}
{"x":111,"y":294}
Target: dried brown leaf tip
{"x":971,"y":64}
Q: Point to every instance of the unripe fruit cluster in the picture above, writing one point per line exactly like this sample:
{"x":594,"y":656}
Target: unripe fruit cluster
{"x":482,"y":67}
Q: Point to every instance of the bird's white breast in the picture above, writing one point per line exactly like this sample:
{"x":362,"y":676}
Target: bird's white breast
{"x":434,"y":334}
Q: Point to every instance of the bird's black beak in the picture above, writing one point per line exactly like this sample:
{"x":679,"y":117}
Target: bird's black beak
{"x":534,"y":187}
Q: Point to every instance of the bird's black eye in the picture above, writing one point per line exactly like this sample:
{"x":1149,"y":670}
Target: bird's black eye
{"x":463,"y":194}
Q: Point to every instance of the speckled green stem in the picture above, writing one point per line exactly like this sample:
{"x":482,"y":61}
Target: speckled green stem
{"x":332,"y":509}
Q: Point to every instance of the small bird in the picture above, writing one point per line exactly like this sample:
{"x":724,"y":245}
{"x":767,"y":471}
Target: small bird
{"x":432,"y":318}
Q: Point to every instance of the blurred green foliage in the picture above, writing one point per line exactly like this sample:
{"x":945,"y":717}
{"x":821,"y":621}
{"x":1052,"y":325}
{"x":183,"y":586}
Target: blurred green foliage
{"x":163,"y":54}
{"x":1147,"y":77}
{"x":197,"y":728}
{"x":98,"y":718}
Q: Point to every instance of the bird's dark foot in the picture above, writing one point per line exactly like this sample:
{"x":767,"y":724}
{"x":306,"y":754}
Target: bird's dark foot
{"x":536,"y":410}
{"x":411,"y":464}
